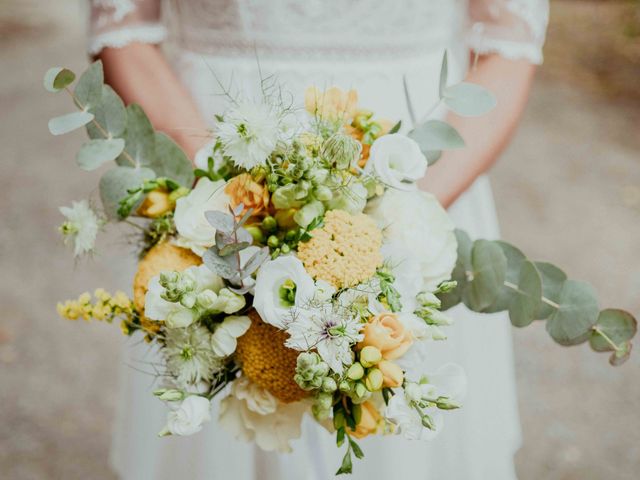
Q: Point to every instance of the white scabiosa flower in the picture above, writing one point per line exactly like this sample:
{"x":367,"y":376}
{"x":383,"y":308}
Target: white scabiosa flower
{"x":194,"y":231}
{"x":189,"y":355}
{"x":397,"y":161}
{"x":188,"y":417}
{"x":81,"y":227}
{"x":416,"y":222}
{"x":331,"y":331}
{"x":281,"y":284}
{"x":249,"y":133}
{"x":251,"y":413}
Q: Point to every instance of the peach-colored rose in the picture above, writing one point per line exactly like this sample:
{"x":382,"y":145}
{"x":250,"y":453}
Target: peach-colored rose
{"x":333,"y":104}
{"x":392,"y":374}
{"x":156,"y":204}
{"x":244,"y":189}
{"x":370,"y":421}
{"x":386,"y":332}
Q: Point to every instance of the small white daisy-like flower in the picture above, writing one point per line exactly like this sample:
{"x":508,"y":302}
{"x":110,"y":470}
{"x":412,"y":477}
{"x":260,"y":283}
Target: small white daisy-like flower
{"x":81,"y":227}
{"x":249,"y":133}
{"x":332,"y":331}
{"x":189,"y":355}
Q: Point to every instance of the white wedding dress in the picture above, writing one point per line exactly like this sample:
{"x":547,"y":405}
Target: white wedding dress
{"x":370,"y":45}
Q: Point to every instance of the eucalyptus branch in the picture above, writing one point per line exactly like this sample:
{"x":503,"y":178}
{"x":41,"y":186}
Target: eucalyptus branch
{"x":606,"y":338}
{"x":97,"y":124}
{"x":544,"y":299}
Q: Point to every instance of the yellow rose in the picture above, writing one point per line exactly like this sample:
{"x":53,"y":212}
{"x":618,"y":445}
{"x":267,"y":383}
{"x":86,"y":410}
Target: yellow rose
{"x":156,"y":204}
{"x":369,"y":423}
{"x":387,"y":334}
{"x":392,"y":374}
{"x":244,"y":189}
{"x":332,"y":104}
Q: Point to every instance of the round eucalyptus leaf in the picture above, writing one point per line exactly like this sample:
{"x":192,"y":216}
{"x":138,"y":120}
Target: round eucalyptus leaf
{"x":469,"y":99}
{"x":69,"y":122}
{"x":436,"y":135}
{"x":444,"y":73}
{"x":96,"y":152}
{"x":618,"y":326}
{"x":110,"y":114}
{"x":489,"y":266}
{"x":57,"y":78}
{"x":577,"y":312}
{"x":171,"y":162}
{"x":139,"y":139}
{"x":432,"y":156}
{"x":515,"y":258}
{"x":116,"y":183}
{"x":524,"y":301}
{"x":88,"y":91}
{"x":459,"y":274}
{"x":222,"y":266}
{"x":622,"y":355}
{"x":552,"y":281}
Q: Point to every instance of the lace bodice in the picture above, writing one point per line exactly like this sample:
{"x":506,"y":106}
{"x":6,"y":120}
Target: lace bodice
{"x":333,"y":29}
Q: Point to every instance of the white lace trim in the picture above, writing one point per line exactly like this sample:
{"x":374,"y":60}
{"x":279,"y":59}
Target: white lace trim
{"x":143,"y":33}
{"x":507,"y":49}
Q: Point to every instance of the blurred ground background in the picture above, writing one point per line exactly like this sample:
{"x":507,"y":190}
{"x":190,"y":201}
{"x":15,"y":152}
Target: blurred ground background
{"x":568,"y":191}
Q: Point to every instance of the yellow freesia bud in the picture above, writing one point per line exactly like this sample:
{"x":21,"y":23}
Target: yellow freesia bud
{"x":374,"y":380}
{"x":156,"y":204}
{"x":370,"y":356}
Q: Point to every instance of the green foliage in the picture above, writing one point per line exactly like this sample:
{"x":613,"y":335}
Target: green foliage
{"x":435,"y":135}
{"x":115,"y":185}
{"x":69,"y":122}
{"x":58,"y":78}
{"x":110,"y":115}
{"x":97,"y":152}
{"x":494,"y":276}
{"x":139,"y":139}
{"x":88,"y":91}
{"x":171,"y":162}
{"x":468,"y":99}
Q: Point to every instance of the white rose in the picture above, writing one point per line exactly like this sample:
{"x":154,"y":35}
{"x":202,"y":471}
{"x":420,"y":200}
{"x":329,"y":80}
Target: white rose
{"x":195,"y":232}
{"x":271,"y":277}
{"x":253,"y":414}
{"x":225,"y":338}
{"x":397,"y":161}
{"x":416,"y":221}
{"x":189,"y":417}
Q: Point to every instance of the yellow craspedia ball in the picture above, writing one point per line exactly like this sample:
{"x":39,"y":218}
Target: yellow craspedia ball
{"x":267,"y":362}
{"x":345,"y":251}
{"x":164,"y":256}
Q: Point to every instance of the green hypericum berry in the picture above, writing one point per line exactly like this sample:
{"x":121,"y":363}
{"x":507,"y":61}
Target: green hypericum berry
{"x":273,"y":241}
{"x":269,"y":224}
{"x":256,"y":233}
{"x":285,"y":249}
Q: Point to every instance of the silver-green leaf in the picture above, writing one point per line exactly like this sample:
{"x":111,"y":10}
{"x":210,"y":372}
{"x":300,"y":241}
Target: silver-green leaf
{"x":515,"y":259}
{"x":69,"y":122}
{"x":524,"y":302}
{"x":139,"y":139}
{"x":116,"y":183}
{"x":552,"y":281}
{"x":444,"y":74}
{"x":97,"y":152}
{"x":110,"y":114}
{"x":57,"y":78}
{"x":468,"y":99}
{"x":577,"y":312}
{"x":88,"y":91}
{"x":489,"y":265}
{"x":617,"y":325}
{"x":171,"y":162}
{"x":436,"y":135}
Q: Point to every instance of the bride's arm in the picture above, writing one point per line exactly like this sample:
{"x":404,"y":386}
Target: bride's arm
{"x":125,"y":36}
{"x":508,"y":35}
{"x":140,"y":74}
{"x":485,"y":136}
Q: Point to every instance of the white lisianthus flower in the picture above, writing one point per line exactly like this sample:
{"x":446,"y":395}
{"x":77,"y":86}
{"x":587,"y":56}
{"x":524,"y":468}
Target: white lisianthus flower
{"x":251,"y":413}
{"x":273,"y":279}
{"x":249,"y":133}
{"x":188,"y":417}
{"x":225,"y":337}
{"x":194,"y":231}
{"x":416,"y":222}
{"x":449,"y":381}
{"x":332,"y":332}
{"x":81,"y":227}
{"x":397,"y":161}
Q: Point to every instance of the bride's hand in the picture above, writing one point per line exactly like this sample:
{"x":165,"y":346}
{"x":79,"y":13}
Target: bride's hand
{"x":486,"y":136}
{"x":141,"y":74}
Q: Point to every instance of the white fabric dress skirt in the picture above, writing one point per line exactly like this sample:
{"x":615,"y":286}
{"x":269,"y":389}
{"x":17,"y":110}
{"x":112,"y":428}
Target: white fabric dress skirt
{"x":477,"y":442}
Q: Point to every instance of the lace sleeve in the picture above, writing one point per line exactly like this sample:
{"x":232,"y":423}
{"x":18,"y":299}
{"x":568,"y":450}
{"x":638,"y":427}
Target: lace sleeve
{"x":116,"y":23}
{"x":515,"y":29}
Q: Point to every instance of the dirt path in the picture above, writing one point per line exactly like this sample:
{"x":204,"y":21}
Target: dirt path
{"x":568,"y":191}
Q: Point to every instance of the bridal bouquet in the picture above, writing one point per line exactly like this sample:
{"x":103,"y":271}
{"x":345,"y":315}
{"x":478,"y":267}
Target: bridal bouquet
{"x":298,"y":270}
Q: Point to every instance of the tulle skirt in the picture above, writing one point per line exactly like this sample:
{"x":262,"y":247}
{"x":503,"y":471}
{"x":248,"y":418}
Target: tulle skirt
{"x":477,"y":442}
